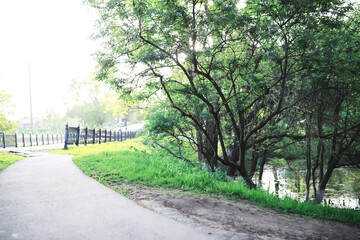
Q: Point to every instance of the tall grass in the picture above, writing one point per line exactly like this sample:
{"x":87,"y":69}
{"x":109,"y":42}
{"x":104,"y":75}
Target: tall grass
{"x":7,"y":159}
{"x":132,"y":161}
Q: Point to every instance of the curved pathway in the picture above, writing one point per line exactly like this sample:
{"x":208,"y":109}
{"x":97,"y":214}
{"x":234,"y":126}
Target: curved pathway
{"x":48,"y":197}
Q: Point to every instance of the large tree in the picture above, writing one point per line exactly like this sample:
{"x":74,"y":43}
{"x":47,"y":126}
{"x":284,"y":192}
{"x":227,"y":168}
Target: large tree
{"x":236,"y":74}
{"x":333,"y":110}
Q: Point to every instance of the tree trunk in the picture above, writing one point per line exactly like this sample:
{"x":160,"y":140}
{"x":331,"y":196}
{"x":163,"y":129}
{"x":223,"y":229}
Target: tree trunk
{"x":233,"y":156}
{"x":320,"y":196}
{"x":308,"y":158}
{"x":242,"y":169}
{"x":237,"y":155}
{"x":319,"y":161}
{"x":211,"y":153}
{"x":333,"y":158}
{"x":200,"y":147}
{"x":321,"y":167}
{"x":276,"y":181}
{"x":254,"y":160}
{"x":261,"y":170}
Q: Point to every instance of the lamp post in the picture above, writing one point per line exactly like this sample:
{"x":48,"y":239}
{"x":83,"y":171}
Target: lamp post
{"x":31,"y":111}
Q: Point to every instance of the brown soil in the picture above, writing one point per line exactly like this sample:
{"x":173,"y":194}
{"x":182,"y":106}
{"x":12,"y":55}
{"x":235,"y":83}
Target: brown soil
{"x":235,"y":216}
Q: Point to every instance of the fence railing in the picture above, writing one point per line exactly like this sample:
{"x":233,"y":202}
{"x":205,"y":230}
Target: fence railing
{"x":73,"y":135}
{"x":77,"y":135}
{"x":30,"y":140}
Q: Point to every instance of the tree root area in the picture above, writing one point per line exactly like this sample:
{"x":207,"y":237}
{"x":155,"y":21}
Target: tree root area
{"x":235,"y":216}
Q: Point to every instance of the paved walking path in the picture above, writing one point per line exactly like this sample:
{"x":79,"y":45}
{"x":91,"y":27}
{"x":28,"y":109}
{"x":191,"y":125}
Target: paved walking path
{"x":48,"y":197}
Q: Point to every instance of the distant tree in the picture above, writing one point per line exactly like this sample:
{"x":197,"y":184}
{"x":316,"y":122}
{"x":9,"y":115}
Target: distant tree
{"x":52,"y":121}
{"x":94,"y":105}
{"x":92,"y":114}
{"x":5,"y":111}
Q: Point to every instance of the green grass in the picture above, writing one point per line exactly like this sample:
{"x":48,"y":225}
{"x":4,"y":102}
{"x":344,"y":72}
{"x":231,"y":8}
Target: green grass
{"x":133,"y":162}
{"x":7,"y":159}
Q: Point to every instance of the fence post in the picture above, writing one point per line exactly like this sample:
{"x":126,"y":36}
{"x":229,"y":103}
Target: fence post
{"x":66,"y":136}
{"x":48,"y":140}
{"x":105,"y":135}
{"x":86,"y":136}
{"x":100,"y":136}
{"x":23,"y":138}
{"x":30,"y":136}
{"x":57,"y":138}
{"x":94,"y":136}
{"x":110,"y":135}
{"x":52,"y":137}
{"x":16,"y":144}
{"x":77,"y":136}
{"x":3,"y":140}
{"x":37,"y":139}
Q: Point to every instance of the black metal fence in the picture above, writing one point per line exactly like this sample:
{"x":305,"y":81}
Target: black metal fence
{"x":73,"y":135}
{"x":77,"y":135}
{"x":29,"y":140}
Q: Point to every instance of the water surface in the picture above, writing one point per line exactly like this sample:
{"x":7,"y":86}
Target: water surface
{"x":343,"y":189}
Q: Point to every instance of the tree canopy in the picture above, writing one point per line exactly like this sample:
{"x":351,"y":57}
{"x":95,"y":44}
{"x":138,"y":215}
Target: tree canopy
{"x":5,"y":111}
{"x":245,"y":81}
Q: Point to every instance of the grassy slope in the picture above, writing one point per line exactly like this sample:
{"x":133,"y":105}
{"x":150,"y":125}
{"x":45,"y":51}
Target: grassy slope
{"x":132,"y":161}
{"x":7,"y":159}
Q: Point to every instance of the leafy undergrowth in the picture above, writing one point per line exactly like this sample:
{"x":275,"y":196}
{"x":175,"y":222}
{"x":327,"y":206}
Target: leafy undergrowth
{"x":6,"y":159}
{"x":132,"y":161}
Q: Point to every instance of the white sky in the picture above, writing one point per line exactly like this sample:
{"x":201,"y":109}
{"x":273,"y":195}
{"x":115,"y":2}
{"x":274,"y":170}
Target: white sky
{"x":53,"y":36}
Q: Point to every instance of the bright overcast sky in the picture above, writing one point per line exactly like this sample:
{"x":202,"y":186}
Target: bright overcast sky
{"x":53,"y":36}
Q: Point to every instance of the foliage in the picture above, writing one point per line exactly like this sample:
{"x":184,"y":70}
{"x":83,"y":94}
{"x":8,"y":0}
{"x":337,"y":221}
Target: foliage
{"x":91,"y":113}
{"x":6,"y":125}
{"x":168,"y":128}
{"x":52,"y":121}
{"x":7,"y":159}
{"x":96,"y":107}
{"x":132,"y":161}
{"x":243,"y":82}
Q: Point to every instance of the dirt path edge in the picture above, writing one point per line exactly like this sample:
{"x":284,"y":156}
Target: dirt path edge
{"x":234,"y":216}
